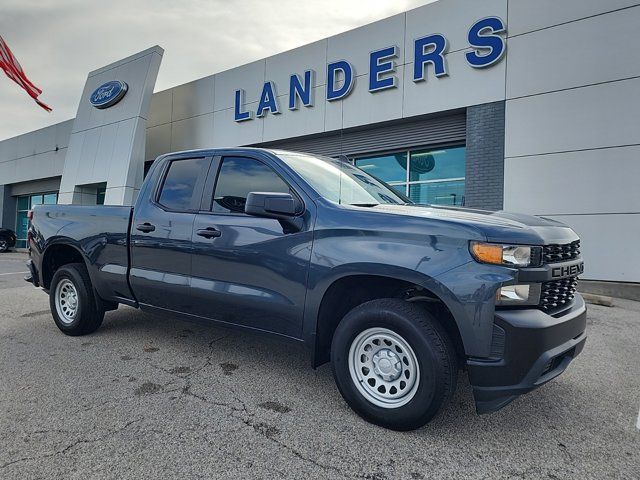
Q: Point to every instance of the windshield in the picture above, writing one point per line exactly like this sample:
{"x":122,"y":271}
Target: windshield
{"x":339,"y":181}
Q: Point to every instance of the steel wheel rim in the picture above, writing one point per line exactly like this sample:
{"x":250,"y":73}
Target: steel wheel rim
{"x":3,"y":245}
{"x":67,"y":301}
{"x":384,"y":367}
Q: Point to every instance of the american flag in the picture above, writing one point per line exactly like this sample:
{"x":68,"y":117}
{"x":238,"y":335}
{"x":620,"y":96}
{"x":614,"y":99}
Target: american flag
{"x":14,"y":71}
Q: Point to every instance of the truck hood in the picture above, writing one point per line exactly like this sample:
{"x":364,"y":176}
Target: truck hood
{"x":501,"y":226}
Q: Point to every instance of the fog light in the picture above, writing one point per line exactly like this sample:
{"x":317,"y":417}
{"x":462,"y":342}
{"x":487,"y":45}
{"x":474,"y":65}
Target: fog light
{"x":524,"y":294}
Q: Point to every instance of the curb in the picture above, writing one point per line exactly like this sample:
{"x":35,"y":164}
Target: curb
{"x":597,"y":299}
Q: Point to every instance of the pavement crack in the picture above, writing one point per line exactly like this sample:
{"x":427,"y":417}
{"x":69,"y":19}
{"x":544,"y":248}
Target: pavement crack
{"x":53,"y":430}
{"x":188,"y":372}
{"x":186,"y":390}
{"x":270,"y":433}
{"x":64,"y":450}
{"x":240,"y":411}
{"x":103,"y":437}
{"x":566,"y":451}
{"x":94,"y":407}
{"x":208,"y":360}
{"x":25,"y":459}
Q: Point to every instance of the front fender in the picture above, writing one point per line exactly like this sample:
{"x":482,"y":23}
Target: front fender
{"x":467,"y":290}
{"x":319,"y":289}
{"x":472,"y":287}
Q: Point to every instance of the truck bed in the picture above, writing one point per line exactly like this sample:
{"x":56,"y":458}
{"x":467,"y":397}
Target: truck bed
{"x":99,"y":232}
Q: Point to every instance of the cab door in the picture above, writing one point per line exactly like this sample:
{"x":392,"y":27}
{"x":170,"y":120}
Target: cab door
{"x":161,"y":245}
{"x":249,"y":270}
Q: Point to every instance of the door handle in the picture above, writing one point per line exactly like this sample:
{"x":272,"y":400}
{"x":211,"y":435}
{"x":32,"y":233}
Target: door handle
{"x":146,"y":227}
{"x":208,"y":232}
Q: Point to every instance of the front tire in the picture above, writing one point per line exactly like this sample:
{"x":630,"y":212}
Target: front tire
{"x":393,"y":363}
{"x":72,"y":302}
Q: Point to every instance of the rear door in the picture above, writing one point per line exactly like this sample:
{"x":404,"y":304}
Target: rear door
{"x":161,"y":234}
{"x":249,"y":270}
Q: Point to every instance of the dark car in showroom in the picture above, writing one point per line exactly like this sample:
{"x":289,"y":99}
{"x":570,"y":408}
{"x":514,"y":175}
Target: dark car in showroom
{"x":7,"y":239}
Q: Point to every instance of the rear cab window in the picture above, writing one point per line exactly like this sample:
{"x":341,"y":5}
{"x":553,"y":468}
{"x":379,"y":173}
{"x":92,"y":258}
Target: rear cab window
{"x":182,"y":185}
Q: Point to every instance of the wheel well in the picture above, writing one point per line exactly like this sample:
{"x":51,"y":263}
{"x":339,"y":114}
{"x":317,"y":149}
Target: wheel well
{"x":349,"y":292}
{"x":55,"y":257}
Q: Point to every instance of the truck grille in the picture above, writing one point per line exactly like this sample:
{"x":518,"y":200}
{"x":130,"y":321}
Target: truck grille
{"x":557,"y":293}
{"x":561,"y":253}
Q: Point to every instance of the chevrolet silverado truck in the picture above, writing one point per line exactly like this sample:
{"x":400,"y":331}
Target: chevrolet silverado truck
{"x":398,"y":297}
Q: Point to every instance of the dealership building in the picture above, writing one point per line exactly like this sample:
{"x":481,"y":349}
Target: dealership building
{"x":500,"y":104}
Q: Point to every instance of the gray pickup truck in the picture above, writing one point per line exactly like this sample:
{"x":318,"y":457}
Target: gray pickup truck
{"x":398,"y":297}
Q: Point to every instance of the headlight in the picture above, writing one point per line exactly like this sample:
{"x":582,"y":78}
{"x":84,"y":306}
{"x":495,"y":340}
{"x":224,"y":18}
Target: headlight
{"x":509,"y":255}
{"x":526,"y":294}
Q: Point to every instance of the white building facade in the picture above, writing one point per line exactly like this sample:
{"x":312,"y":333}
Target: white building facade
{"x":500,"y":104}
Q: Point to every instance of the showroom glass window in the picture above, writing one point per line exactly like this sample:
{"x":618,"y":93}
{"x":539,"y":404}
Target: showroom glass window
{"x":24,"y":204}
{"x":427,"y":176}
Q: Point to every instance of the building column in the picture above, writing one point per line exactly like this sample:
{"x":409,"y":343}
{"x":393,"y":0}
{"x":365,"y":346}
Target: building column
{"x":484,"y":182}
{"x":7,"y":208}
{"x":107,"y":145}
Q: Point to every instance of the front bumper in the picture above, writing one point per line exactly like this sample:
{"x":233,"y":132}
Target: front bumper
{"x":533,"y":347}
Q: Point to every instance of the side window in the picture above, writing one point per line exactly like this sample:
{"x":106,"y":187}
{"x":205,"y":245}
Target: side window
{"x":238,"y":176}
{"x":179,"y":187}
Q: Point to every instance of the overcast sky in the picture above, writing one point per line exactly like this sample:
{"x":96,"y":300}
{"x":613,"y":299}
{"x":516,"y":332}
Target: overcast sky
{"x":59,"y":41}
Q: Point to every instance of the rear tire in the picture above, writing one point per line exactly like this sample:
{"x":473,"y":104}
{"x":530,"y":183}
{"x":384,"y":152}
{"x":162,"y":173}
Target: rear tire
{"x":393,"y":363}
{"x":72,"y":301}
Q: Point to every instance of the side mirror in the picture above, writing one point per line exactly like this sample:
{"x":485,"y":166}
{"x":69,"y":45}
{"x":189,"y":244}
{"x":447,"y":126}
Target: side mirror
{"x":279,"y":206}
{"x":267,"y":204}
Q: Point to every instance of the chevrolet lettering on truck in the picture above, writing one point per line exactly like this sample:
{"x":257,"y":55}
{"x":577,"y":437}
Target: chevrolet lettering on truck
{"x":398,"y":297}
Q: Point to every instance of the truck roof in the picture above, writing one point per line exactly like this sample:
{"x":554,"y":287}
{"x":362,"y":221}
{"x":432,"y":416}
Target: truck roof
{"x":212,"y":151}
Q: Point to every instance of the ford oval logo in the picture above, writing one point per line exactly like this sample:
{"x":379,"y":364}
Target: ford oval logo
{"x":108,"y":94}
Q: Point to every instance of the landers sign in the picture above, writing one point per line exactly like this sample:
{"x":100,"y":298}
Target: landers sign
{"x":483,"y":37}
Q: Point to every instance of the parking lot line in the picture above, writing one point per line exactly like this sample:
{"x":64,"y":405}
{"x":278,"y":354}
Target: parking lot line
{"x":13,"y":273}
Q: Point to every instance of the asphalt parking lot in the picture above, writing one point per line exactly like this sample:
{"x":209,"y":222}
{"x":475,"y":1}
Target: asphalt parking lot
{"x":150,"y":397}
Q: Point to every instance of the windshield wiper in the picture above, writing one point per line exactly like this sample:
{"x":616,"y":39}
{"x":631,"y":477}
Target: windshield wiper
{"x":364,"y":204}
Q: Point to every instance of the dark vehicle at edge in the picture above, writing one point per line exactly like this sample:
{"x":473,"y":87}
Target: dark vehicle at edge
{"x":7,"y":239}
{"x":398,"y":297}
